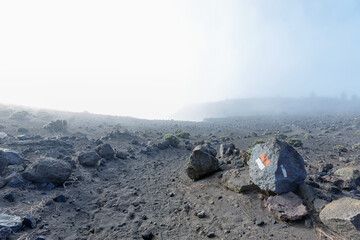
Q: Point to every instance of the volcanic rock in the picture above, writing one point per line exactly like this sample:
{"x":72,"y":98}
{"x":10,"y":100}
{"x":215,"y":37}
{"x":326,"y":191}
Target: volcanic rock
{"x":343,"y":217}
{"x":286,"y":207}
{"x":105,"y":151}
{"x":237,"y":180}
{"x":90,"y":158}
{"x":202,"y":162}
{"x":276,"y":166}
{"x":48,"y":170}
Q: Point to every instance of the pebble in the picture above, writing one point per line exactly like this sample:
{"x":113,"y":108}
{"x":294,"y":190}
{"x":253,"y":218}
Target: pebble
{"x":210,"y":234}
{"x":148,"y":235}
{"x":200,"y":214}
{"x":259,"y":222}
{"x":60,"y":198}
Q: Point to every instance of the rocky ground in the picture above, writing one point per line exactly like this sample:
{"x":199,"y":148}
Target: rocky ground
{"x":102,"y":177}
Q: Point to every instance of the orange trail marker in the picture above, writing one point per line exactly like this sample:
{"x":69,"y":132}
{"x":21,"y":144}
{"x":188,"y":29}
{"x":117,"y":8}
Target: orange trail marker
{"x":265,"y":159}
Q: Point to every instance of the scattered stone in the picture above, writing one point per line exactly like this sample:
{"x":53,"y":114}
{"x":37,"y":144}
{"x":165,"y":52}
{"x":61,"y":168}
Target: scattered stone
{"x":307,"y":193}
{"x":48,"y":170}
{"x":308,"y":223}
{"x":343,"y":217}
{"x":173,"y":140}
{"x":121,"y":155}
{"x":202,"y":162}
{"x":90,"y":158}
{"x":319,"y":204}
{"x":58,"y":126}
{"x":105,"y":151}
{"x":5,"y":232}
{"x":237,"y":180}
{"x":286,"y":207}
{"x":60,"y":198}
{"x":200,"y":214}
{"x":29,"y":222}
{"x":276,"y":166}
{"x":9,"y":197}
{"x":148,"y":235}
{"x":259,"y":223}
{"x":10,"y":221}
{"x":15,"y":182}
{"x":349,"y":173}
{"x":210,"y":234}
{"x":11,"y":156}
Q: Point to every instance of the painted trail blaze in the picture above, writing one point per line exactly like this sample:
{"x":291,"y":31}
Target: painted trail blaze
{"x":265,"y":159}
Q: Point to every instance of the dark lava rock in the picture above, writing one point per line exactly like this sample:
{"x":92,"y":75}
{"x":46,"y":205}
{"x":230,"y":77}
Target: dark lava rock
{"x":48,"y":170}
{"x":148,"y":235}
{"x":163,"y":145}
{"x":9,"y":197}
{"x":12,"y":157}
{"x":90,"y":158}
{"x":105,"y":151}
{"x":121,"y":155}
{"x":202,"y":162}
{"x":343,"y":217}
{"x":5,"y":232}
{"x":16,"y":182}
{"x":29,"y":222}
{"x":60,"y":198}
{"x":276,"y":166}
{"x":286,"y":207}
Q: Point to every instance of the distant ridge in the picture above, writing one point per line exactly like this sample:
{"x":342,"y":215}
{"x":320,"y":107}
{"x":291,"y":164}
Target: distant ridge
{"x":268,"y":106}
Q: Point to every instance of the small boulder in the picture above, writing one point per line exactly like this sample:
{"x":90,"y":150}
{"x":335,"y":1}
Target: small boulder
{"x":121,"y":155}
{"x":90,"y":158}
{"x":237,"y":180}
{"x":286,"y":207}
{"x":48,"y":170}
{"x":276,"y":166}
{"x":105,"y":151}
{"x":10,"y":221}
{"x":202,"y":162}
{"x":5,"y":232}
{"x":343,"y":217}
{"x":12,"y":157}
{"x":349,"y":173}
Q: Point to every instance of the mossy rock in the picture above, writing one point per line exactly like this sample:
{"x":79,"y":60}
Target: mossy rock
{"x":207,"y":142}
{"x":182,"y":134}
{"x":295,"y":142}
{"x":57,"y":126}
{"x":340,"y":148}
{"x":356,"y":146}
{"x":280,"y":136}
{"x":173,"y":140}
{"x":308,"y":136}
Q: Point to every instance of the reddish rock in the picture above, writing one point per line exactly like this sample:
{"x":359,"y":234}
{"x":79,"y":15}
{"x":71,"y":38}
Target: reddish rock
{"x":286,"y":207}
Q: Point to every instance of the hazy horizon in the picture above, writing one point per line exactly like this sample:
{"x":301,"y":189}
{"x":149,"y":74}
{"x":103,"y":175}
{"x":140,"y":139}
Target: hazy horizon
{"x":149,"y":59}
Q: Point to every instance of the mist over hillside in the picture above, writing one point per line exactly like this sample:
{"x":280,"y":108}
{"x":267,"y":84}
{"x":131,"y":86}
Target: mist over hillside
{"x":268,"y":106}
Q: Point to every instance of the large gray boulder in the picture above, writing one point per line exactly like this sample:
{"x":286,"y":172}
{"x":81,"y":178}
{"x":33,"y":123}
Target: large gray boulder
{"x":343,"y":217}
{"x":48,"y":170}
{"x":90,"y":158}
{"x":237,"y":180}
{"x":202,"y":162}
{"x":286,"y":207}
{"x":10,"y":221}
{"x":275,"y":166}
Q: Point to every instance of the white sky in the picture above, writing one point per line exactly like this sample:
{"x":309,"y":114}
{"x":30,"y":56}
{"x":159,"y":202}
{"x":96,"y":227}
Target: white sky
{"x":149,"y":58}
